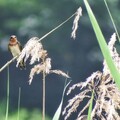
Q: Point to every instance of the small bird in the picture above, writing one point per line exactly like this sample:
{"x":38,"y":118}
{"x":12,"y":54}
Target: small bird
{"x":15,"y":48}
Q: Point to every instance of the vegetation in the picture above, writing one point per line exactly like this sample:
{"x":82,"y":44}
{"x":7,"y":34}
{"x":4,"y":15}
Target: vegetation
{"x":24,"y":114}
{"x":98,"y":90}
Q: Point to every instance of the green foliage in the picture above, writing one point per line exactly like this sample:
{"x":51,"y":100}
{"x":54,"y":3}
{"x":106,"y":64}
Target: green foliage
{"x":28,"y":115}
{"x":58,"y":111}
{"x":112,"y":19}
{"x":24,"y":114}
{"x":28,"y":16}
{"x":25,"y":17}
{"x":90,"y":107}
{"x":103,"y":45}
{"x":8,"y":92}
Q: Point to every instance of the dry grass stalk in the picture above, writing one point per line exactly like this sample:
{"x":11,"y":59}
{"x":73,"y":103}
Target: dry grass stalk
{"x":75,"y":22}
{"x":40,"y":68}
{"x":107,"y":94}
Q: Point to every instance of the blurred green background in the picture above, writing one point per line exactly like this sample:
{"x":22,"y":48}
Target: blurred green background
{"x":80,"y":57}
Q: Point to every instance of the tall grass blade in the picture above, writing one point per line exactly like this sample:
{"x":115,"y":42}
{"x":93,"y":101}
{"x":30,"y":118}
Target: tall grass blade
{"x":44,"y":100}
{"x":112,"y":19}
{"x":103,"y":45}
{"x":7,"y":106}
{"x":19,"y":94}
{"x":58,"y":111}
{"x":90,"y":107}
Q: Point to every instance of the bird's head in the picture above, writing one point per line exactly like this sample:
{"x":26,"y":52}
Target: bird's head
{"x":13,"y":39}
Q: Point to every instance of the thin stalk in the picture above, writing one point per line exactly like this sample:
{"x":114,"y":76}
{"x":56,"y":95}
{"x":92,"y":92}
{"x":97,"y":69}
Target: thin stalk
{"x":112,"y":20}
{"x":19,"y":94}
{"x":43,"y":95}
{"x":90,"y":106}
{"x":8,"y":87}
{"x":56,"y":27}
{"x":7,"y":64}
{"x":43,"y":111}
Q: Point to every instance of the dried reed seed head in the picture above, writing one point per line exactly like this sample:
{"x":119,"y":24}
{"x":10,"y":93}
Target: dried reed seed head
{"x":43,"y":54}
{"x":107,"y":99}
{"x":47,"y":65}
{"x":33,"y":49}
{"x":59,"y":72}
{"x":37,"y":69}
{"x":114,"y":54}
{"x":81,"y":96}
{"x":75,"y":22}
{"x":107,"y":94}
{"x":112,"y":42}
{"x":83,"y":117}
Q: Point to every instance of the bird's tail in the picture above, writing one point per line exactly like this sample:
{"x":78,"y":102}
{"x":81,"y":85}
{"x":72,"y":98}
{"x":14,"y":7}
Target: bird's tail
{"x":22,"y":64}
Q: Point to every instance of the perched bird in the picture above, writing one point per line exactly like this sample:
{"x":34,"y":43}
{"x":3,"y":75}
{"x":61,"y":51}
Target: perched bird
{"x":15,"y":48}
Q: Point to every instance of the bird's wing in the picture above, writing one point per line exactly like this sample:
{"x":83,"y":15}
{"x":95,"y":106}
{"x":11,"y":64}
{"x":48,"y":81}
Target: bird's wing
{"x":9,"y":47}
{"x":20,"y":46}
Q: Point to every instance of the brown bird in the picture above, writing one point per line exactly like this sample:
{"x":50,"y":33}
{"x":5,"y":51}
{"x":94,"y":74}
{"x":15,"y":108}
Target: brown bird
{"x":15,"y":48}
